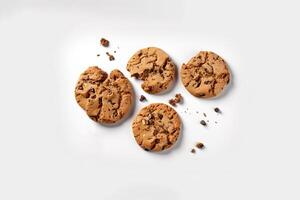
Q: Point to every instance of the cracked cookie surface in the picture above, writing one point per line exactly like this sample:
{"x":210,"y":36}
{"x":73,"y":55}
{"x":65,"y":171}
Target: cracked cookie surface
{"x":154,"y":67}
{"x":205,"y":75}
{"x":156,"y":127}
{"x":105,"y":98}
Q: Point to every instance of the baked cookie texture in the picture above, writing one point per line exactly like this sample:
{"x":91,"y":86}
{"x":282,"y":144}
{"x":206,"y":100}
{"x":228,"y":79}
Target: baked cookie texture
{"x":205,"y":75}
{"x":105,"y":98}
{"x":154,"y":67}
{"x":156,"y":127}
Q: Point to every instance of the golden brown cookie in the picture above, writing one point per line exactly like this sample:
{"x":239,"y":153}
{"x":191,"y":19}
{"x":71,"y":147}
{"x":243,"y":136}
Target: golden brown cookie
{"x":154,"y":67}
{"x":106,"y":99}
{"x":156,"y":127}
{"x":205,"y":75}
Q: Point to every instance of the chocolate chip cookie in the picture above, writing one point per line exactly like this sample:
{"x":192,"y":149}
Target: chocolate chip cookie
{"x":154,"y":67}
{"x":105,"y":98}
{"x":156,"y":127}
{"x":205,"y":75}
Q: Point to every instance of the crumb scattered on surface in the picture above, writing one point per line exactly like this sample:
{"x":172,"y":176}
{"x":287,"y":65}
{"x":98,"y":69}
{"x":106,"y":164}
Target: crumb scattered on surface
{"x":217,"y":110}
{"x":200,"y":145}
{"x":115,"y":51}
{"x":193,"y":151}
{"x":216,"y":122}
{"x":172,"y":102}
{"x":110,"y":57}
{"x":143,"y":98}
{"x":104,"y":42}
{"x":197,"y":112}
{"x":204,"y":114}
{"x":178,"y":99}
{"x":98,"y":55}
{"x":202,"y":122}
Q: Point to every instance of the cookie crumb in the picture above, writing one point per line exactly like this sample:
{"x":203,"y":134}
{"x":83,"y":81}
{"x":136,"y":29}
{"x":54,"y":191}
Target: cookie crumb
{"x":110,"y":57}
{"x":98,"y":55}
{"x":217,"y":110}
{"x":193,"y":151}
{"x":143,"y":98}
{"x":104,"y":42}
{"x":178,"y":99}
{"x":115,"y":51}
{"x":172,"y":102}
{"x":200,"y":145}
{"x":204,"y":114}
{"x":202,"y":122}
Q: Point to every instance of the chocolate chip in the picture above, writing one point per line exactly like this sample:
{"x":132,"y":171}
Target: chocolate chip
{"x":104,"y":42}
{"x":217,"y":110}
{"x":143,"y":98}
{"x":193,"y":151}
{"x":200,"y":145}
{"x":160,"y":116}
{"x":202,"y":122}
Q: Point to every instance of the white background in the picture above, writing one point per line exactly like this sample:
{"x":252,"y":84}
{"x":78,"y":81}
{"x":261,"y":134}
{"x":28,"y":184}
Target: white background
{"x":49,"y":148}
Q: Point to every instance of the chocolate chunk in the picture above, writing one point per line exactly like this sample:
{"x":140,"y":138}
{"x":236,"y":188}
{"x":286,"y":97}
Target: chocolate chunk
{"x":193,"y":151}
{"x":202,"y":122}
{"x":143,"y":98}
{"x":217,"y":110}
{"x":160,"y":116}
{"x":104,"y":42}
{"x":200,"y":145}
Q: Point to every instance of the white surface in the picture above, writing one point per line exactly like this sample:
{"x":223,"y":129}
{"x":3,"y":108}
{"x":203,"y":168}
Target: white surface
{"x":49,"y":149}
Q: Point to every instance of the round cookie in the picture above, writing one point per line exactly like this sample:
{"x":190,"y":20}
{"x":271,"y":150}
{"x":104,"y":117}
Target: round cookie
{"x":154,"y":67}
{"x":205,"y":75}
{"x":156,"y":127}
{"x":105,"y":98}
